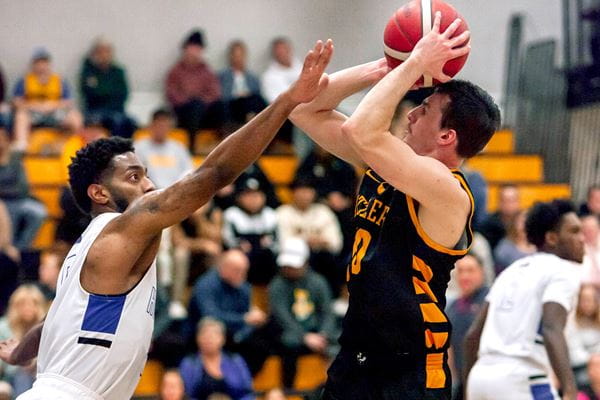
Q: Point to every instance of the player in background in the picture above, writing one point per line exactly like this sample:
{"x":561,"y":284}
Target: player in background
{"x":94,"y":341}
{"x":520,"y":330}
{"x":412,"y":216}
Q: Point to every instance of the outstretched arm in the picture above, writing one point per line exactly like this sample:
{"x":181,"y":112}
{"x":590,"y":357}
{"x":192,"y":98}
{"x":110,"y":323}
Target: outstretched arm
{"x":16,"y":352}
{"x":554,"y":317}
{"x":319,"y":118}
{"x":160,"y":209}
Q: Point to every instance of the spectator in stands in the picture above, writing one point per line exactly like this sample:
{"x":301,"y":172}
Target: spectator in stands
{"x":4,"y":109}
{"x":104,"y":89}
{"x":6,"y":391}
{"x":494,"y":226}
{"x":514,"y":245}
{"x":592,"y":204}
{"x":213,"y":371}
{"x":317,"y":225}
{"x":241,"y":88}
{"x":280,"y":74}
{"x":275,"y":394}
{"x":166,"y":159}
{"x":252,"y":226}
{"x":223,"y":293}
{"x":479,"y":188}
{"x":225,"y":198}
{"x":9,"y":259}
{"x":196,"y":243}
{"x":590,"y":226}
{"x":43,"y":97}
{"x":50,"y":264}
{"x":27,"y":307}
{"x":27,"y":214}
{"x":300,"y":302}
{"x":193,"y":89}
{"x":583,"y":332}
{"x":171,"y":386}
{"x":462,"y":311}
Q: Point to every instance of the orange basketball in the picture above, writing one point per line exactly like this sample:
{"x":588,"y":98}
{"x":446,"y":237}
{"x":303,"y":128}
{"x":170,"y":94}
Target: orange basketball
{"x":410,"y":23}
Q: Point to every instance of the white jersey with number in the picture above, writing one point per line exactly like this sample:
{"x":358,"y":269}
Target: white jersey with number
{"x":96,"y":343}
{"x":512,"y":328}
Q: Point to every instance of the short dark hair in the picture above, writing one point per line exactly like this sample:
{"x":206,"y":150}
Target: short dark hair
{"x":236,"y":43}
{"x":279,"y":40}
{"x":161,"y":113}
{"x":472,"y":113}
{"x":89,"y":165}
{"x":545,"y":217}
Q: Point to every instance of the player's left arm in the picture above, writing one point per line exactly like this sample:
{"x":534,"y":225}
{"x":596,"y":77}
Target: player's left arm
{"x":423,"y":178}
{"x":554,"y":318}
{"x":15,"y":352}
{"x":471,"y":343}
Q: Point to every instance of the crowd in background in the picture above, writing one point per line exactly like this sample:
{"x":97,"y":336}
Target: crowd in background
{"x":245,"y":276}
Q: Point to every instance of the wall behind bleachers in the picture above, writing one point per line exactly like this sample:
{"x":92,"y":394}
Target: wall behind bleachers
{"x":147,"y":33}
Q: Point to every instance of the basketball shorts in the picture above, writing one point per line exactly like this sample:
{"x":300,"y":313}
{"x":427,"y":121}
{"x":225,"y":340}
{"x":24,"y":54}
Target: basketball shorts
{"x":356,"y":375}
{"x":501,"y":379}
{"x":56,"y":387}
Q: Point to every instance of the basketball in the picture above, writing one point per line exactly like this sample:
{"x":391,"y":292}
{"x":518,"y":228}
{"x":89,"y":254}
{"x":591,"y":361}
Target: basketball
{"x":410,"y":23}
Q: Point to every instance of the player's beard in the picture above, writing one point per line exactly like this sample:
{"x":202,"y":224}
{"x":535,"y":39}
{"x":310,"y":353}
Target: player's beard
{"x":121,"y":203}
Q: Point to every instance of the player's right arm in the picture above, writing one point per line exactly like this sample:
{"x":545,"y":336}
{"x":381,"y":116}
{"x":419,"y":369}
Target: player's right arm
{"x":21,"y":352}
{"x":554,"y":318}
{"x":163,"y":208}
{"x":319,"y":118}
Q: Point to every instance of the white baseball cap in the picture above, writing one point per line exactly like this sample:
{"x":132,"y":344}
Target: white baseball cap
{"x":294,"y":253}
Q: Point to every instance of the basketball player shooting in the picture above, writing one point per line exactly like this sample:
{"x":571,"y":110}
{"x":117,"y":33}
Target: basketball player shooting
{"x":412,"y":216}
{"x":94,"y":341}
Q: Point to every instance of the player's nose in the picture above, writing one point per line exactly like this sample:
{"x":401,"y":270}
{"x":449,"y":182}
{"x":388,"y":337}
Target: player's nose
{"x":148,"y":185}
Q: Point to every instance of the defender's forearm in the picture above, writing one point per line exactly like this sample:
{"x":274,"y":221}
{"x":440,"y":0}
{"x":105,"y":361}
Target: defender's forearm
{"x":28,"y":348}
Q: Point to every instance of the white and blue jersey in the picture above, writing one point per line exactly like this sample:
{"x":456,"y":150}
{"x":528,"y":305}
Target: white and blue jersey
{"x":95,"y":344}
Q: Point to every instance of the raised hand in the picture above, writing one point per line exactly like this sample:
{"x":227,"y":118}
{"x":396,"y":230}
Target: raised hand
{"x":436,"y":48}
{"x":6,"y":350}
{"x":312,"y":79}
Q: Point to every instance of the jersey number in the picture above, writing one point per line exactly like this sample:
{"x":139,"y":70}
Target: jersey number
{"x":362,"y":239}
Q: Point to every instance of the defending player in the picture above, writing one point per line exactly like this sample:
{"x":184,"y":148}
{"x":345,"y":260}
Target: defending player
{"x":412,"y":217}
{"x":97,"y":333}
{"x":520,"y":330}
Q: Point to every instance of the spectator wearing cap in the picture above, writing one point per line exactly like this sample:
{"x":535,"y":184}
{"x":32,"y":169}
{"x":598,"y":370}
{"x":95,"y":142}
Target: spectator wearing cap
{"x":104,"y":89}
{"x":43,"y":98}
{"x":225,"y":198}
{"x":300,"y":302}
{"x":26,"y":213}
{"x":252,"y":226}
{"x":317,"y":225}
{"x":193,"y":89}
{"x":241,"y":88}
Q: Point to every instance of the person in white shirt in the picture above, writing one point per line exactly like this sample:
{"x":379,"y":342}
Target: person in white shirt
{"x":520,"y":330}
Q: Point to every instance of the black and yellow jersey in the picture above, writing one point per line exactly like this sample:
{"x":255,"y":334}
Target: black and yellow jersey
{"x":397,"y":278}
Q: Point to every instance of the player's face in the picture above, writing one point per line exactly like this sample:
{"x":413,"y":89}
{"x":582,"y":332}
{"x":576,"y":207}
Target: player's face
{"x":128,"y":182}
{"x":570,"y":238}
{"x":469,"y":275}
{"x":424,"y":124}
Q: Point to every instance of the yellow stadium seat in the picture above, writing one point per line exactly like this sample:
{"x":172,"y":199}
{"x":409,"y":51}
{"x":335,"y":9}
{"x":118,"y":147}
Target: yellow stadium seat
{"x":149,"y":384}
{"x":509,"y":168}
{"x":311,"y":372}
{"x":502,"y":142}
{"x":50,"y":196}
{"x":269,"y":376}
{"x":176,"y":134}
{"x":279,"y":169}
{"x":45,"y":236}
{"x":43,"y":170}
{"x":46,"y":141}
{"x":530,"y":193}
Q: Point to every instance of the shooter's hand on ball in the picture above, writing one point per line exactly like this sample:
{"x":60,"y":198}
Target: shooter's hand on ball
{"x":436,"y":48}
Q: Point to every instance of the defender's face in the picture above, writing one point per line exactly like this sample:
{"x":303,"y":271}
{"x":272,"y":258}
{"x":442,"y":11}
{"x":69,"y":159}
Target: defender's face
{"x":424,"y":124}
{"x":570,"y":238}
{"x":128,"y":181}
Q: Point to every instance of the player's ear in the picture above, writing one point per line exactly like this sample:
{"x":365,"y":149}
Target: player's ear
{"x":447,"y":137}
{"x":98,"y":194}
{"x":551,"y":238}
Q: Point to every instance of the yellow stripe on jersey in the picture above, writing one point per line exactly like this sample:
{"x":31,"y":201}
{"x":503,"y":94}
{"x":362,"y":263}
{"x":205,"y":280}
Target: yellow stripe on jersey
{"x":434,"y":370}
{"x":432,"y":313}
{"x":435,"y":339}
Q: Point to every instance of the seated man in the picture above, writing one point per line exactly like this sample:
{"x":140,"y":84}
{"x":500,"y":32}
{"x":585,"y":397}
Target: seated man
{"x":300,"y":303}
{"x":224,"y":294}
{"x":27,"y":214}
{"x":9,"y":259}
{"x":104,"y":89}
{"x":241,"y":88}
{"x":317,"y":225}
{"x":43,"y":97}
{"x":193,"y":89}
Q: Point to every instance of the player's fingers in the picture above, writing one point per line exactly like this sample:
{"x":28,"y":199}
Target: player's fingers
{"x":325,"y":55}
{"x":460,"y":51}
{"x":309,"y":60}
{"x":437,"y":21}
{"x":442,"y":77}
{"x":460,"y":39}
{"x":452,"y":28}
